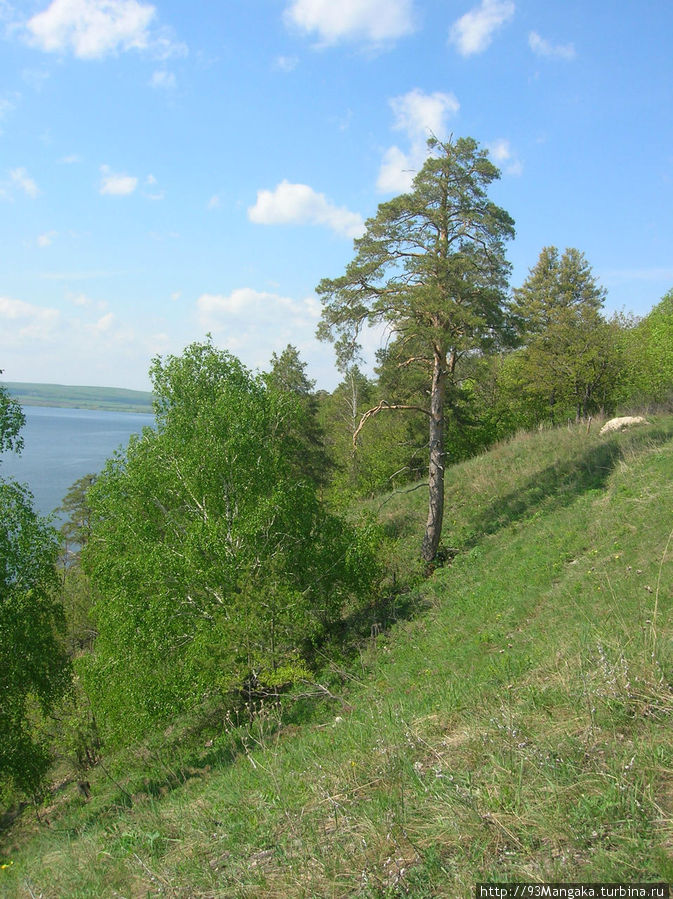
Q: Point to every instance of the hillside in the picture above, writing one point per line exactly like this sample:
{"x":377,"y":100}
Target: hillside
{"x":106,"y":399}
{"x":516,"y":725}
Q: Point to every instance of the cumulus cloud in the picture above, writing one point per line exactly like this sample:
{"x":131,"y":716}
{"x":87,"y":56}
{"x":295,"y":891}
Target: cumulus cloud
{"x":474,"y":31}
{"x":254,"y":324}
{"x":542,"y":47}
{"x":502,"y":154}
{"x":93,"y":29}
{"x":85,"y":344}
{"x":26,"y":321}
{"x":116,"y":184}
{"x":372,"y":21}
{"x":299,"y":204}
{"x":397,"y":171}
{"x":419,"y":116}
{"x":22,"y":180}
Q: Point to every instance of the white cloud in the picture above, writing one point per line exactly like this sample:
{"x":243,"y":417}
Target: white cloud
{"x":163,"y":80}
{"x":101,"y":325}
{"x":373,"y":21}
{"x":474,"y":31}
{"x":46,"y":239}
{"x":213,"y":308}
{"x":83,"y":301}
{"x":420,"y":116}
{"x":503,"y":156}
{"x":25,"y":321}
{"x":80,"y":299}
{"x":115,"y":184}
{"x":542,"y":47}
{"x":163,"y":47}
{"x":254,"y":324}
{"x":21,"y":179}
{"x":214,"y":202}
{"x":397,"y":171}
{"x":73,"y":159}
{"x":299,"y":204}
{"x":92,"y":29}
{"x":286,"y":63}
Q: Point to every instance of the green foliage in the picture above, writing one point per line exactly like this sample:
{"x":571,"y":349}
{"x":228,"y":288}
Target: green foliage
{"x":77,"y":602}
{"x":288,"y":374}
{"x":518,"y":729}
{"x":648,"y":354}
{"x":556,"y":285}
{"x":72,"y":732}
{"x":390,"y":450}
{"x":214,"y":565}
{"x":11,"y":421}
{"x":570,"y":364}
{"x":77,"y":528}
{"x":431,"y":267}
{"x":33,"y":668}
{"x":431,"y":263}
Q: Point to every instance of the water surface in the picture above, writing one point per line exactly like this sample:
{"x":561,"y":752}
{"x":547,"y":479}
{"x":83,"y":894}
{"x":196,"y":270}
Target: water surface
{"x":62,"y":445}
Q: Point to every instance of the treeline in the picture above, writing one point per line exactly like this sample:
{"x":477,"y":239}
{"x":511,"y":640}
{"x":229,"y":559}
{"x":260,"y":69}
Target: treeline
{"x":219,"y":559}
{"x":568,"y":362}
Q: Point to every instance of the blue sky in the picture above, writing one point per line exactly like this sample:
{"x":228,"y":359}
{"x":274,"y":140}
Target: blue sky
{"x":171,"y":169}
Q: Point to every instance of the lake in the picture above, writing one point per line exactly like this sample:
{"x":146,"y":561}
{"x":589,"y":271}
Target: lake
{"x":62,"y":445}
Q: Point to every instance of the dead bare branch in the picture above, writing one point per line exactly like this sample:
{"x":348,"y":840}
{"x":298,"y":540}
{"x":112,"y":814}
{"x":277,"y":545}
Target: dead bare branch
{"x":381,"y":406}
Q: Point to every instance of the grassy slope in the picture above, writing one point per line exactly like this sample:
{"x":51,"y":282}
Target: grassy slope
{"x":520,"y":728}
{"x":108,"y":399}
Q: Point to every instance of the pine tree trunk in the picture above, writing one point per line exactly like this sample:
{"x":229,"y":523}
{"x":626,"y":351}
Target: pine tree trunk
{"x":433,"y":528}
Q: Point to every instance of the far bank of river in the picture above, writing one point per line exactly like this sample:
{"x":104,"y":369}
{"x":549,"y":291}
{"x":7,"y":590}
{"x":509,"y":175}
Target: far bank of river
{"x":62,"y":445}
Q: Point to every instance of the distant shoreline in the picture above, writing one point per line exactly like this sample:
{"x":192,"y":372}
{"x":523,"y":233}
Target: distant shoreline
{"x":102,"y":399}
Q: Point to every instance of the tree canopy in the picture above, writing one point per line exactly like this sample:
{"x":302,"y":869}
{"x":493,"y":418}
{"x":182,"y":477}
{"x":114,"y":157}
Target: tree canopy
{"x":215,"y":565}
{"x":431,"y":266}
{"x":11,"y":422}
{"x":569,"y":363}
{"x":34,"y":670}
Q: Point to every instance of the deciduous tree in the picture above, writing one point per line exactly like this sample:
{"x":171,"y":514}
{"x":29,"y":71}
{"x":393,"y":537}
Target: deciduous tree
{"x":214,"y":564}
{"x":34,"y":670}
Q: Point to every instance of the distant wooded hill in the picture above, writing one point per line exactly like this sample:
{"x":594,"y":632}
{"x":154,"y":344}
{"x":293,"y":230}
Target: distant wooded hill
{"x":108,"y":399}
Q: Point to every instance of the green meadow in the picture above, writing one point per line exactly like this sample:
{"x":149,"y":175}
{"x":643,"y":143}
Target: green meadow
{"x":508,"y":717}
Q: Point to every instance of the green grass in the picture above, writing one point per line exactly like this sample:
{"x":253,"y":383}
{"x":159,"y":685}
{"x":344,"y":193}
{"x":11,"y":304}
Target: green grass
{"x":517,"y":728}
{"x":107,"y":399}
